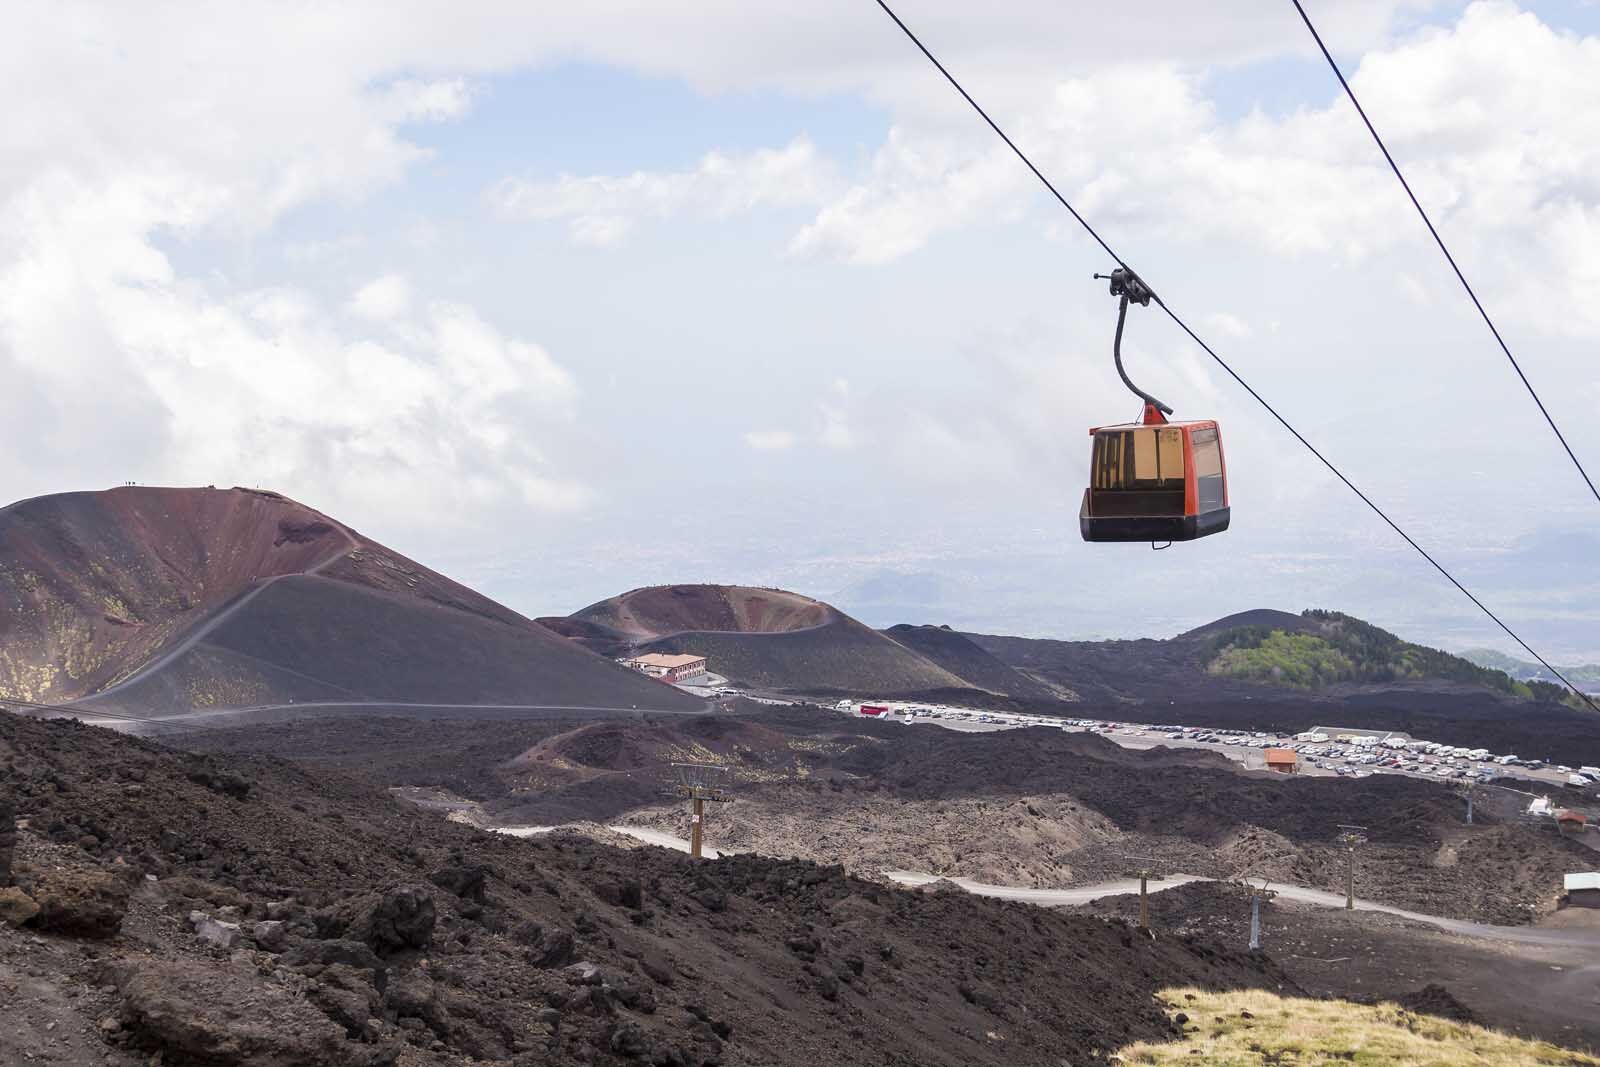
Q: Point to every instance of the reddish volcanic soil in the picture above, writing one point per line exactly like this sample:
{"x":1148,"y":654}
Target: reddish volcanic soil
{"x":668,"y":609}
{"x":160,"y":601}
{"x":100,"y":581}
{"x":763,"y":637}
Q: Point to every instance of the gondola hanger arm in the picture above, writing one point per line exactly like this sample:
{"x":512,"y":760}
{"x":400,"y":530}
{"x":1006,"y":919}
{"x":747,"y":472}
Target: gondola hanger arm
{"x":1130,"y":287}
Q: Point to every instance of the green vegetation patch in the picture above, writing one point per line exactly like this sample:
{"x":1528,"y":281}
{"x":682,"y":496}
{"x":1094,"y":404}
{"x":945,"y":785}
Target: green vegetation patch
{"x":1338,"y":648}
{"x":1301,"y":660}
{"x":1250,"y":1027}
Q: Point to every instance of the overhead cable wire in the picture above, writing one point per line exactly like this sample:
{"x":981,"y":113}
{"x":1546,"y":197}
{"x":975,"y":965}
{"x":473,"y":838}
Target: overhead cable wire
{"x":1298,"y":436}
{"x":1438,"y":240}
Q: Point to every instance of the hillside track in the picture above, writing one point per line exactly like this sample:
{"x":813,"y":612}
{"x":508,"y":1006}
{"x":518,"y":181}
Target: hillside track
{"x":262,"y":714}
{"x":1522,"y":935}
{"x":158,"y":602}
{"x":205,"y":628}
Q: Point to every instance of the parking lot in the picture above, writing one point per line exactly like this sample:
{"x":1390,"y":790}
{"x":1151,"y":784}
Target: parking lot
{"x":1324,"y":751}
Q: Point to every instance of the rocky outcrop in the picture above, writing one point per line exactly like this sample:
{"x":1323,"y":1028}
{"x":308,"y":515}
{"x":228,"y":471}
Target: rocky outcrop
{"x":400,"y":918}
{"x":8,"y":835}
{"x":467,"y":881}
{"x":16,"y":907}
{"x":80,"y":901}
{"x":193,"y":1013}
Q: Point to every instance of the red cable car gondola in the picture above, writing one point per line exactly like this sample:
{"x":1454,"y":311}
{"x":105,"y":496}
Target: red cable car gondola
{"x":1152,"y":480}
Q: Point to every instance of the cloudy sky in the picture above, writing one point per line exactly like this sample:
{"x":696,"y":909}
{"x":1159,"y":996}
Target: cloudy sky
{"x":566,"y":300}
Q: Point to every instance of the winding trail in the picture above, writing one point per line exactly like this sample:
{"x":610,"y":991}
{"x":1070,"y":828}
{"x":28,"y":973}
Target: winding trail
{"x":204,"y":629}
{"x":662,"y":839}
{"x":1055,"y":898}
{"x":1526,"y":935}
{"x":218,"y":718}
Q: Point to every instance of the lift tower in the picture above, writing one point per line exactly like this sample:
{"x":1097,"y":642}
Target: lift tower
{"x":1352,"y":838}
{"x":699,"y":783}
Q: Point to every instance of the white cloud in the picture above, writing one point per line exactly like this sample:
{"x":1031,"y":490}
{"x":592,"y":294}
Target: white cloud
{"x":440,"y":100}
{"x":962,"y":450}
{"x":835,"y":412}
{"x":1225,"y":325}
{"x":1415,"y":291}
{"x":769,"y":440}
{"x":1496,"y":121}
{"x":163,"y":125}
{"x":382,"y":299}
{"x":314,"y":252}
{"x":448,"y":414}
{"x":917,"y":188}
{"x":601,"y":208}
{"x":600,"y":231}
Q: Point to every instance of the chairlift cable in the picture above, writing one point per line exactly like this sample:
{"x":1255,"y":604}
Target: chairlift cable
{"x":1298,"y":436}
{"x":1438,"y":240}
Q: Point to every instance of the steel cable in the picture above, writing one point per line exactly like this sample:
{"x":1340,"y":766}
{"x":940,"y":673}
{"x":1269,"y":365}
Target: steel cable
{"x":1462,"y":278}
{"x":1298,"y":436}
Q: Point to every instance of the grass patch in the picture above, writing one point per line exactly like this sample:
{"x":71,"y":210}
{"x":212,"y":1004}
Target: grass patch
{"x":1333,"y":647}
{"x":1250,"y":1027}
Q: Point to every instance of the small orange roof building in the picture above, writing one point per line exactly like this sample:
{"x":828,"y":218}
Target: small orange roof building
{"x":1284,"y":760}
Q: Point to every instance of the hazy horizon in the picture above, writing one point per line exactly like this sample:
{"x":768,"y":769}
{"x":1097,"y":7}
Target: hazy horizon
{"x":564,"y":302}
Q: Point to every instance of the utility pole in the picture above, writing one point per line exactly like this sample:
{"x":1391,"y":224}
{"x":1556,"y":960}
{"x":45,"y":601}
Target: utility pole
{"x":1257,"y":895}
{"x":1469,"y":792}
{"x":1145,"y":870}
{"x":694,"y":783}
{"x":697,"y":826}
{"x":1351,"y":837}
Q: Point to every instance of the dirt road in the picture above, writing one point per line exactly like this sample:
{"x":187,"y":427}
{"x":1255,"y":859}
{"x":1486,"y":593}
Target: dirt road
{"x":664,"y":840}
{"x":1524,"y":935}
{"x":1567,"y":938}
{"x":260,"y":714}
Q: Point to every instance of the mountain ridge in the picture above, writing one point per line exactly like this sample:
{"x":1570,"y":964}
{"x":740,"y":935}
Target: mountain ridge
{"x":1249,"y":653}
{"x":1586,"y":676}
{"x":770,"y":638}
{"x":160,"y":601}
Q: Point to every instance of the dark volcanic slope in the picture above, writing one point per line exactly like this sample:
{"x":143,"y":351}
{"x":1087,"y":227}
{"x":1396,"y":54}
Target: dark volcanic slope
{"x":957,"y":653}
{"x":667,"y":609}
{"x":1271,"y":618}
{"x":766,"y":637}
{"x":836,"y":788}
{"x":1252,"y":654}
{"x":1166,"y":682}
{"x":1109,"y":671}
{"x":843,"y":654}
{"x":159,"y":601}
{"x":307,"y":639}
{"x":404,"y":934}
{"x":600,"y":770}
{"x":1139,"y":669}
{"x":1174,"y":791}
{"x":94,"y":583}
